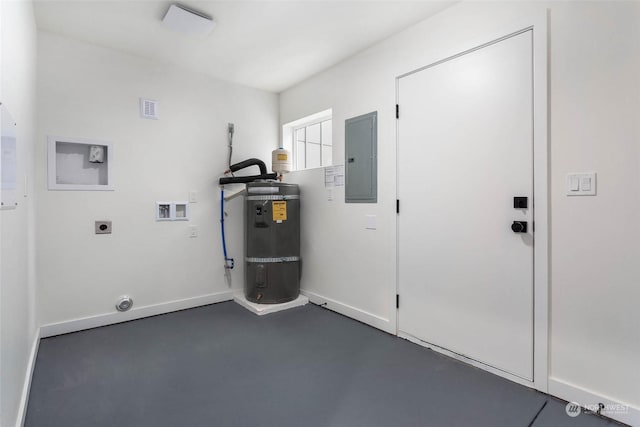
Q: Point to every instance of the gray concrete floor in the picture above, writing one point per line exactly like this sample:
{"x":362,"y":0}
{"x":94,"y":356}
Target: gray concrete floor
{"x":221,"y":365}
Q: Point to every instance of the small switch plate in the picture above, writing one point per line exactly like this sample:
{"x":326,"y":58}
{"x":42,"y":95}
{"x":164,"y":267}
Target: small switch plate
{"x":193,"y":231}
{"x":371,"y":222}
{"x":193,"y":196}
{"x":103,"y":227}
{"x":581,"y":184}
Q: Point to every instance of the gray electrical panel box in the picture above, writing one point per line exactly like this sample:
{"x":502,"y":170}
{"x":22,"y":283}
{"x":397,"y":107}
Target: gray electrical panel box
{"x":361,"y":162}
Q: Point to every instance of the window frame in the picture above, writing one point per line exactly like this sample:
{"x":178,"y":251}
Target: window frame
{"x":295,"y":141}
{"x":289,"y":140}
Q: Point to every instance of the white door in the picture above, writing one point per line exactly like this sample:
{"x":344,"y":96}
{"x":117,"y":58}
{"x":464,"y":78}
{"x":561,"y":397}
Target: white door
{"x":465,"y":151}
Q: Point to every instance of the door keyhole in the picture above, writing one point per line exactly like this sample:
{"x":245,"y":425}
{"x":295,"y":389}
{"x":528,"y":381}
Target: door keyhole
{"x":519,"y":226}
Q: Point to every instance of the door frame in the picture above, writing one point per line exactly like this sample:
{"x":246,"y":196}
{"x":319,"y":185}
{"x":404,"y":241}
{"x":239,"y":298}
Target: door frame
{"x":540,"y":210}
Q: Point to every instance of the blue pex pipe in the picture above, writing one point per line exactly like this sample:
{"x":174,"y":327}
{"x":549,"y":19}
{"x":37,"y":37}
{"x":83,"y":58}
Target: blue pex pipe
{"x":228,"y":262}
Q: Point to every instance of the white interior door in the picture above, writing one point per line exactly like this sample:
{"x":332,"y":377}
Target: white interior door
{"x":465,"y":151}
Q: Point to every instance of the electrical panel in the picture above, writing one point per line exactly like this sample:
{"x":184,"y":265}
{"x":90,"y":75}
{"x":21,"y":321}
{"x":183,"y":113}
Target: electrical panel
{"x":361,"y":162}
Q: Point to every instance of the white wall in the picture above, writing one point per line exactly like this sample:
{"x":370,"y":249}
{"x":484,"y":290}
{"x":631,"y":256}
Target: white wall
{"x":17,"y":274}
{"x":93,"y":92}
{"x":594,"y":126}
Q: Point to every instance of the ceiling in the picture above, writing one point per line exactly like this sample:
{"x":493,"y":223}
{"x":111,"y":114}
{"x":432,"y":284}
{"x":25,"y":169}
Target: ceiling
{"x":270,"y":45}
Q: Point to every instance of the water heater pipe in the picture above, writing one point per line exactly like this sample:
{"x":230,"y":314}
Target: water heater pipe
{"x":245,"y":179}
{"x":229,"y":263}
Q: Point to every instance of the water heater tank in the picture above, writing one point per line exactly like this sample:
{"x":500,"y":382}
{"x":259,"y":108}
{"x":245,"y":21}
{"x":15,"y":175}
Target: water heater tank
{"x":272,"y":232}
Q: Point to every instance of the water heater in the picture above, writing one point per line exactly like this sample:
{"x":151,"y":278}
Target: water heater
{"x":272,"y":249}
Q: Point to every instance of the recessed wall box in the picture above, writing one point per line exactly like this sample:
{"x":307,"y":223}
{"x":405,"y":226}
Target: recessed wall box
{"x":163,"y":211}
{"x":182,"y":211}
{"x":79,"y":164}
{"x":172,"y":211}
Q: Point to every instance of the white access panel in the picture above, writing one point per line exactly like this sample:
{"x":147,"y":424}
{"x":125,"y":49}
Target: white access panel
{"x":465,"y":146}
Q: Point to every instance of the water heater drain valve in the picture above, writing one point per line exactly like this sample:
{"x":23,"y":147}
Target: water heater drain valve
{"x":124,"y":303}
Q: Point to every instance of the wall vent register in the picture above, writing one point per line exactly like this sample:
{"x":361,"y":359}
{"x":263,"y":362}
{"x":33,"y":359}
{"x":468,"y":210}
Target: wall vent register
{"x":149,"y":109}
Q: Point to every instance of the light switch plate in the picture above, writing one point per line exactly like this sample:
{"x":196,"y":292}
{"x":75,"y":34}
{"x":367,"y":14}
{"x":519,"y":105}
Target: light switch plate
{"x":329,"y":194}
{"x":581,"y":184}
{"x":372,"y":223}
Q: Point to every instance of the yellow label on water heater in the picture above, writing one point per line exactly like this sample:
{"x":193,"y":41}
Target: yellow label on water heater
{"x":279,"y":210}
{"x":282,"y":156}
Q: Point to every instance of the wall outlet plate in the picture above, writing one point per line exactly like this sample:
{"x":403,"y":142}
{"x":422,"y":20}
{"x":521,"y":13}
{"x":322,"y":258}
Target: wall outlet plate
{"x":581,"y":184}
{"x":103,"y":227}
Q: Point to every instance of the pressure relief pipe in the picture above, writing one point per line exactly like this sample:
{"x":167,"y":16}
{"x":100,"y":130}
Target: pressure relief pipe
{"x":245,"y":179}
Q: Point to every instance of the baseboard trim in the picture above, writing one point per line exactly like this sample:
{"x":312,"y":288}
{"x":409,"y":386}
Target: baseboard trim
{"x":75,"y":325}
{"x":506,"y":375}
{"x":350,"y":311}
{"x":586,"y":398}
{"x":26,"y":388}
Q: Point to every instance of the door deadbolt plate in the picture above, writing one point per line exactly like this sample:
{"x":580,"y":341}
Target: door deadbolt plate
{"x":519,"y":226}
{"x":520,"y":202}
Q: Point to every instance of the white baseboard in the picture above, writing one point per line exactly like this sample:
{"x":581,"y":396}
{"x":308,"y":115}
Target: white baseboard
{"x":614,"y":409}
{"x":350,"y":311}
{"x":26,"y":388}
{"x":506,"y":375}
{"x":135,"y":313}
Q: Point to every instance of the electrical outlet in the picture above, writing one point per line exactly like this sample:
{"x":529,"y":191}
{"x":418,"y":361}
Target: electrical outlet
{"x":193,"y":231}
{"x":103,"y":227}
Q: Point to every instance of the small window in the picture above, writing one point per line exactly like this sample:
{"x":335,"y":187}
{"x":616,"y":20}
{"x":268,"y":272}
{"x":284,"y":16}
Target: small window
{"x":310,"y":140}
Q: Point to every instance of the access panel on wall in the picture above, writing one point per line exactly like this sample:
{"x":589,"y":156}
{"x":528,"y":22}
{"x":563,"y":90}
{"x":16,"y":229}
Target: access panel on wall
{"x":466,"y":187}
{"x":361,"y":163}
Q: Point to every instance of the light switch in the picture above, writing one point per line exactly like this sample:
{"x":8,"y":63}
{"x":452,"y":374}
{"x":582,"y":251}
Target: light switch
{"x":581,"y":184}
{"x":329,"y":194}
{"x":371,"y":222}
{"x":574,"y":183}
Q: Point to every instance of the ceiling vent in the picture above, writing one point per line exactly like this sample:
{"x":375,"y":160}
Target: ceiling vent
{"x":188,"y":21}
{"x":148,"y":109}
